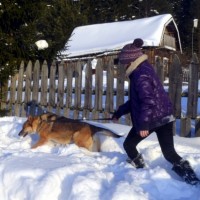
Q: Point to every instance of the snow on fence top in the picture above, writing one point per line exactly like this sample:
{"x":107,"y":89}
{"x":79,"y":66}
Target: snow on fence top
{"x":108,"y":37}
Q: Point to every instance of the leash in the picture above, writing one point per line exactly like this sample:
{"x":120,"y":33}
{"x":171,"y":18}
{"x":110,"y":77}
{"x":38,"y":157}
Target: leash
{"x":97,"y":119}
{"x":84,"y":118}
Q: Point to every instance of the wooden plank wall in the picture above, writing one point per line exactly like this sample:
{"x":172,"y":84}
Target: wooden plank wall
{"x":59,"y":88}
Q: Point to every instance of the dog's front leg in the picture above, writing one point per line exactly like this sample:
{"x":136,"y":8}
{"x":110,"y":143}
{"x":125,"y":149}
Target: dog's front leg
{"x":40,"y":142}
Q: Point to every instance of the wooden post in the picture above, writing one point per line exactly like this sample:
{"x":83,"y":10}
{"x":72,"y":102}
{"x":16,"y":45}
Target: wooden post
{"x":193,"y":88}
{"x":19,"y":90}
{"x":88,"y":90}
{"x":120,"y":85}
{"x":69,"y":69}
{"x":197,"y":127}
{"x":78,"y":88}
{"x":159,"y":68}
{"x":35,"y":95}
{"x":109,"y":87}
{"x":12,"y":94}
{"x":175,"y":85}
{"x":98,"y":89}
{"x":28,"y":89}
{"x":174,"y":127}
{"x":44,"y":81}
{"x":60,"y":91}
{"x":185,"y":127}
{"x":52,"y":87}
{"x":120,"y":91}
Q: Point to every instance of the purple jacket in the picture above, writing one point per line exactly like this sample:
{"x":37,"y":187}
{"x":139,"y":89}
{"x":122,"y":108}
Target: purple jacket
{"x":148,"y":104}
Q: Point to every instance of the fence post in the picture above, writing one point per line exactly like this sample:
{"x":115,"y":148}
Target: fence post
{"x":175,"y":86}
{"x":18,"y":104}
{"x":78,"y":84}
{"x":120,"y":85}
{"x":44,"y":90}
{"x":109,"y":87}
{"x":35,"y":95}
{"x":197,"y":127}
{"x":88,"y":89}
{"x":52,"y":87}
{"x":120,"y":91}
{"x":98,"y":89}
{"x":69,"y":69}
{"x":28,"y":88}
{"x":159,"y":68}
{"x":185,"y":127}
{"x":60,"y":95}
{"x":13,"y":89}
{"x":193,"y":88}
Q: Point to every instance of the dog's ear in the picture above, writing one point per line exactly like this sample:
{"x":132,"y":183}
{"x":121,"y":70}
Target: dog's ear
{"x":30,"y":118}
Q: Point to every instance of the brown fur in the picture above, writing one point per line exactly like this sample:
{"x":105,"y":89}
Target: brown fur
{"x":51,"y":127}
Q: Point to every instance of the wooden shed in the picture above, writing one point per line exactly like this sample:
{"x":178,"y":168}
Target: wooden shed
{"x":160,"y":35}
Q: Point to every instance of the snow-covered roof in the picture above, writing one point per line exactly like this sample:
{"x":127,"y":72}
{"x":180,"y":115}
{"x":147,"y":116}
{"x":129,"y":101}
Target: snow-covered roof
{"x":107,"y":37}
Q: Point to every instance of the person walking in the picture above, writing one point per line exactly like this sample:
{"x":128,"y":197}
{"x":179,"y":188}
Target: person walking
{"x":151,"y":111}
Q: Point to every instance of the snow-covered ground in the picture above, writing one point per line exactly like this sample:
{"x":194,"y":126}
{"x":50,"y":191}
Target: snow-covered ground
{"x":72,"y":173}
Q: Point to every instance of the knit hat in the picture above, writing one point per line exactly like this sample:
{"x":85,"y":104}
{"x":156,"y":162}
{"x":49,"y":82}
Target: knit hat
{"x":131,"y":52}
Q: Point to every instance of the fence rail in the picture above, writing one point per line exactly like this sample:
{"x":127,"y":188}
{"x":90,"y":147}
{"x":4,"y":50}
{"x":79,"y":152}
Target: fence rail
{"x":74,"y":89}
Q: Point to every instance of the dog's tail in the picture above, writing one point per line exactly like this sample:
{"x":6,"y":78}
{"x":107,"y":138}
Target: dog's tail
{"x":105,"y":131}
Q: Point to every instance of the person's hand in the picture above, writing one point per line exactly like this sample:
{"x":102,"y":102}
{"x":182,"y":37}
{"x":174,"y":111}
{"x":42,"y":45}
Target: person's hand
{"x":144,"y":133}
{"x":114,"y":118}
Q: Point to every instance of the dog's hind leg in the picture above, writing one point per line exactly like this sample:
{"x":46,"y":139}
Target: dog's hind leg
{"x":83,"y":138}
{"x":40,"y":142}
{"x":96,"y":146}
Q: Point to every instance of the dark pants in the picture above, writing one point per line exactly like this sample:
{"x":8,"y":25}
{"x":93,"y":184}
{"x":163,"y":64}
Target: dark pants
{"x":165,"y":138}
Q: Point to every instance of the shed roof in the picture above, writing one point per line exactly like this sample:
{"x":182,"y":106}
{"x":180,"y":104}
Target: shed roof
{"x":108,"y":37}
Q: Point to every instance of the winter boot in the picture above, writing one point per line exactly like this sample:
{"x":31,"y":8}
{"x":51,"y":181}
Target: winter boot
{"x":184,"y":170}
{"x":137,"y":162}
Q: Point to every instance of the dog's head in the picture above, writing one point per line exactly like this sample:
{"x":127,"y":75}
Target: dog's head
{"x":29,"y":126}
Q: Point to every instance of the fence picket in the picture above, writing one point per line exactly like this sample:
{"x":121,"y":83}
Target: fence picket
{"x":69,"y":73}
{"x":109,"y":88}
{"x":98,"y":89}
{"x":28,"y":79}
{"x":197,"y":127}
{"x":19,"y":90}
{"x":175,"y":85}
{"x":185,"y":130}
{"x":78,"y":89}
{"x":60,"y":93}
{"x":88,"y":90}
{"x":193,"y":88}
{"x":44,"y":88}
{"x":52,"y":87}
{"x":159,"y":67}
{"x":36,"y":79}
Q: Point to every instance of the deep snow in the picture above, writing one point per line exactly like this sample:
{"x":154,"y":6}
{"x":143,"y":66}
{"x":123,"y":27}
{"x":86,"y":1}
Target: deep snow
{"x":72,"y":173}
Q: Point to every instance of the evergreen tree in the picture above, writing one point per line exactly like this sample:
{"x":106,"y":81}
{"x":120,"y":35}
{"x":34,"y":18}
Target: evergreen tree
{"x":23,"y":22}
{"x":184,"y":12}
{"x":55,"y":25}
{"x":185,"y":23}
{"x":154,"y":7}
{"x":111,"y":10}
